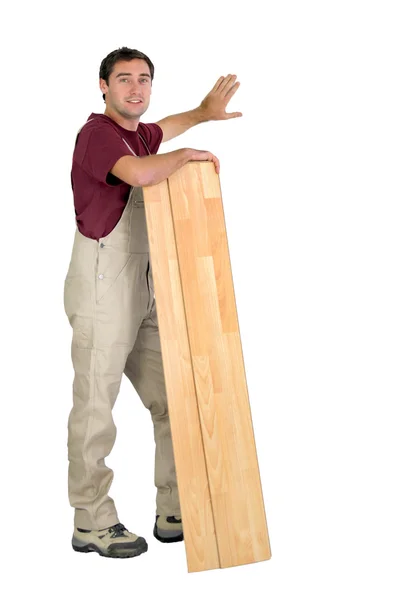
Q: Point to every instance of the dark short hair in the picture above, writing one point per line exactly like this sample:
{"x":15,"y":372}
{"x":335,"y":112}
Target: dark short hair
{"x":124,"y":53}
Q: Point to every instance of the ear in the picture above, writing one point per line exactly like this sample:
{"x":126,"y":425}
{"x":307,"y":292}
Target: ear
{"x":103,"y":86}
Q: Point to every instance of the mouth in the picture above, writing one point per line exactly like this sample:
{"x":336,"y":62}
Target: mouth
{"x":135,"y":101}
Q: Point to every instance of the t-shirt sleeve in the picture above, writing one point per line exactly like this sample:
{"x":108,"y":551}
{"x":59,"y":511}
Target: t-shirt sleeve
{"x":153,"y":135}
{"x":98,"y":149}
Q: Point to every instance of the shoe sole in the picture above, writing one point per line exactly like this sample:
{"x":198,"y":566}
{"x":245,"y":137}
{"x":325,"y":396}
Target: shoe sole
{"x":114,"y":553}
{"x":165,"y":540}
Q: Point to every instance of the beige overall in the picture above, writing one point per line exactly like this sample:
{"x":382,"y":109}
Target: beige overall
{"x":110,"y":304}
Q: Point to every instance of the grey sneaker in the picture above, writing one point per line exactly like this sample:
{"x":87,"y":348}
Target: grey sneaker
{"x":114,"y":542}
{"x":168,"y":529}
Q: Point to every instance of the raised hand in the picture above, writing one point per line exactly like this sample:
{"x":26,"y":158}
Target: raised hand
{"x":214,"y":104}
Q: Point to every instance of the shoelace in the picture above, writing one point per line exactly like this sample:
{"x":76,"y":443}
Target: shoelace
{"x":117,"y":530}
{"x":173,"y":520}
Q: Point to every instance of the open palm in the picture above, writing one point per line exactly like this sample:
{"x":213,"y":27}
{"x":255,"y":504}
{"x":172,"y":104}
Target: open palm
{"x":215,"y":103}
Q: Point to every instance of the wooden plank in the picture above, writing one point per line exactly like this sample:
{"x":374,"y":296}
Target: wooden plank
{"x":206,"y":311}
{"x":225,"y":415}
{"x":194,"y":493}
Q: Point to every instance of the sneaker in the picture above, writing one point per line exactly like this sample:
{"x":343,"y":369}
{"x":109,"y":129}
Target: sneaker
{"x":115,"y":542}
{"x":168,"y":529}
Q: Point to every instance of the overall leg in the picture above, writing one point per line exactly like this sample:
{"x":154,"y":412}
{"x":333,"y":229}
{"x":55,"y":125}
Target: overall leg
{"x":105,"y":324}
{"x":145,"y":371}
{"x":92,"y":433}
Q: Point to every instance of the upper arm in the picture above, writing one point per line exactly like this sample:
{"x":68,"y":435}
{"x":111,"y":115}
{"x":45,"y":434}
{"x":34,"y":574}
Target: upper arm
{"x":130,"y":168}
{"x":164,"y":133}
{"x":126,"y":169}
{"x":163,"y":136}
{"x":98,"y":150}
{"x":153,"y":134}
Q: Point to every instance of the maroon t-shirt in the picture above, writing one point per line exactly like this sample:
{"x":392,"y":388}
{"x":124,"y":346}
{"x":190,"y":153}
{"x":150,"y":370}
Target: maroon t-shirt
{"x":99,"y":196}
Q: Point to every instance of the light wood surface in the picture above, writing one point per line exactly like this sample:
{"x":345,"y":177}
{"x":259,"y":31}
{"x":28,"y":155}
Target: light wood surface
{"x":218,"y":476}
{"x":194,"y":493}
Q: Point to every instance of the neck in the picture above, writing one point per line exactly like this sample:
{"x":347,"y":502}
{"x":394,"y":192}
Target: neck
{"x":130,"y":124}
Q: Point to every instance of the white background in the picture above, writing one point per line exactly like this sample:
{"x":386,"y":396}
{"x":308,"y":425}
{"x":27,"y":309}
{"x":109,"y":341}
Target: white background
{"x":310,"y":181}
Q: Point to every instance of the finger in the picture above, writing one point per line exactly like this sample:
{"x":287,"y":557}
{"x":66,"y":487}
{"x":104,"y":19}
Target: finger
{"x":232,"y":91}
{"x":228,"y":81}
{"x":233,"y":115}
{"x":218,"y":83}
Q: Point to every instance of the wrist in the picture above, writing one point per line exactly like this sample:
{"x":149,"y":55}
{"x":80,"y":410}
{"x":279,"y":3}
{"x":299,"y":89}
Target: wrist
{"x":200,"y":115}
{"x":187,"y":154}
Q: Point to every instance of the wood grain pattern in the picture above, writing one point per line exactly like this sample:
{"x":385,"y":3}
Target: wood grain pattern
{"x":202,"y":354}
{"x":194,"y":493}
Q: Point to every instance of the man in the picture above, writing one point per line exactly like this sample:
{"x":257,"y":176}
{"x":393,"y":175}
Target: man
{"x":109,"y":294}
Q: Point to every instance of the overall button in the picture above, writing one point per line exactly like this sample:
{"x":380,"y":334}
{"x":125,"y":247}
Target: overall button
{"x":101,"y":276}
{"x":102,"y":245}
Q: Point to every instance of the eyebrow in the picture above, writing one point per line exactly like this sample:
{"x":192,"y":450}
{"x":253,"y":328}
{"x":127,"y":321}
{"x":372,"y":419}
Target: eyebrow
{"x":125,"y":74}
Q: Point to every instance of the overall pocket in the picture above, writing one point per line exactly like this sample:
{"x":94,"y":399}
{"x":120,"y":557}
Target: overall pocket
{"x":78,"y":306}
{"x":110,"y":268}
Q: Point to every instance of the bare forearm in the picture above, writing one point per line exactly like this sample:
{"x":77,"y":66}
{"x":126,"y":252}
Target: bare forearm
{"x":150,"y":170}
{"x":175,"y":125}
{"x":157,"y":167}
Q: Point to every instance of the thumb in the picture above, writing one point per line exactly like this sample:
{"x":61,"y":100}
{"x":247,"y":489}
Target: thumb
{"x":234,"y":115}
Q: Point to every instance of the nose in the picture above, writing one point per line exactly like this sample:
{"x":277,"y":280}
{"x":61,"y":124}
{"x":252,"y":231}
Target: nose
{"x":134,"y":87}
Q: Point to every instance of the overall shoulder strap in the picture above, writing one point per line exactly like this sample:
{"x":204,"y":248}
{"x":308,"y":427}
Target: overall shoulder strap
{"x":77,"y":135}
{"x":144,"y":143}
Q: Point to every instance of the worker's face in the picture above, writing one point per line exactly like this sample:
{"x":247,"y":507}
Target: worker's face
{"x":129,"y":88}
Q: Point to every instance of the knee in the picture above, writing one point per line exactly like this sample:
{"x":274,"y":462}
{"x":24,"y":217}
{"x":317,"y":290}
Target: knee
{"x":159,"y":411}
